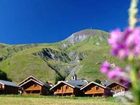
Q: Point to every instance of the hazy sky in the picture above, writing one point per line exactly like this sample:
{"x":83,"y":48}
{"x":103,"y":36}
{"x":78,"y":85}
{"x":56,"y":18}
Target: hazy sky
{"x":45,"y":21}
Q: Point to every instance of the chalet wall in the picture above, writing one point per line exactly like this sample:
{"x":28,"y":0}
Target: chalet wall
{"x":1,"y":86}
{"x":64,"y":89}
{"x":8,"y":90}
{"x":118,"y":88}
{"x":93,"y":90}
{"x":45,"y":91}
{"x":11,"y":90}
{"x":34,"y":88}
{"x":31,"y":87}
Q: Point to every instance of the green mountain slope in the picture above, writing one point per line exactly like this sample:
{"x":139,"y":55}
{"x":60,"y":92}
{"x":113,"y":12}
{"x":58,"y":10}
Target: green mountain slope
{"x":81,"y":53}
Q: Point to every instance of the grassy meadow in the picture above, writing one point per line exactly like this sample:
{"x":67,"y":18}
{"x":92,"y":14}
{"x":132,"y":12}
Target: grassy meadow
{"x":43,"y":100}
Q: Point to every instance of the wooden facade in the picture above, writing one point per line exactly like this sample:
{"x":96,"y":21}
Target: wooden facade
{"x":64,"y":88}
{"x":7,"y":87}
{"x":31,"y":85}
{"x":116,"y":87}
{"x":95,"y":89}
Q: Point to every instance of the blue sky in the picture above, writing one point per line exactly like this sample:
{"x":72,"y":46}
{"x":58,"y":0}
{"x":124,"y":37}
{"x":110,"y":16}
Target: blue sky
{"x":46,"y":21}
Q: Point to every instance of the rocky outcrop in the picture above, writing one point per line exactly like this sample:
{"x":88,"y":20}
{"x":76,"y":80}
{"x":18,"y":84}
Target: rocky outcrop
{"x":48,"y":53}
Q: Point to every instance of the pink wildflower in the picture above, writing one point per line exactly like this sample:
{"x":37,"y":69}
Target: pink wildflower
{"x":115,"y":73}
{"x":105,"y":67}
{"x":124,"y":44}
{"x":112,"y":72}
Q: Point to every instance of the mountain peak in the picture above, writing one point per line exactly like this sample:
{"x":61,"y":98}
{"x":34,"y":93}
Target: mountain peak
{"x":83,"y":34}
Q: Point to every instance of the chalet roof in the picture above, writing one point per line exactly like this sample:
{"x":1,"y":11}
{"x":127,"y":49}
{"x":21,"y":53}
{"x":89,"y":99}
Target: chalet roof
{"x":78,"y":83}
{"x":60,"y":82}
{"x":72,"y":83}
{"x":93,"y":83}
{"x":106,"y":83}
{"x":114,"y":83}
{"x":8,"y":83}
{"x":32,"y":78}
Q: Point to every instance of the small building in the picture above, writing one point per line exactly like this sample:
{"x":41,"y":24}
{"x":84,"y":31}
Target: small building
{"x":95,"y":89}
{"x":71,"y":87}
{"x":116,"y":87}
{"x":31,"y":85}
{"x":7,"y":87}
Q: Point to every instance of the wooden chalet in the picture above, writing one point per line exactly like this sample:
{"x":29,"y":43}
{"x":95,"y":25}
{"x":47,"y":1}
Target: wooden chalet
{"x":116,"y":87}
{"x":31,"y":85}
{"x":95,"y":89}
{"x":71,"y":87}
{"x":7,"y":87}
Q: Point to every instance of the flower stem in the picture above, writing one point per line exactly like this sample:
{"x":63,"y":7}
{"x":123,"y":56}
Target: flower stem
{"x":135,"y":84}
{"x":133,"y":13}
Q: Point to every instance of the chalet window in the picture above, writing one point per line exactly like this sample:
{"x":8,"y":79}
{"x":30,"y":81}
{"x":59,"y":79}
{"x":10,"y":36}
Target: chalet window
{"x":66,"y":87}
{"x":97,"y":88}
